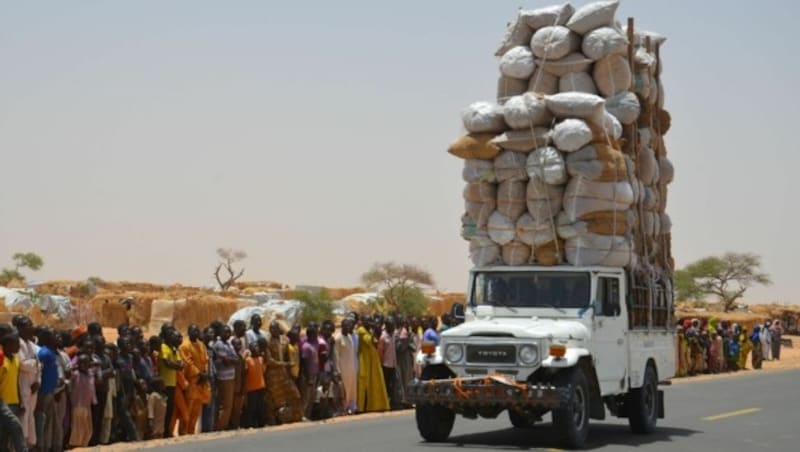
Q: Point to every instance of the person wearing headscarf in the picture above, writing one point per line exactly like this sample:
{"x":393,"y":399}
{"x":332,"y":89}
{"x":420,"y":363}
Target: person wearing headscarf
{"x":734,"y":348}
{"x":714,"y":351}
{"x":777,"y":332}
{"x":683,"y":352}
{"x":745,"y":346}
{"x":755,"y":338}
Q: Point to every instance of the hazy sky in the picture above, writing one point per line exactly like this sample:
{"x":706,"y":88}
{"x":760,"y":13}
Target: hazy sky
{"x":137,"y":137}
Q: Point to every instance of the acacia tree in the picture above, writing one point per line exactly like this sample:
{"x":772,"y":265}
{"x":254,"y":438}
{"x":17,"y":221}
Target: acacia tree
{"x":727,"y":277}
{"x":228,"y":257}
{"x":31,"y":261}
{"x":399,"y":283}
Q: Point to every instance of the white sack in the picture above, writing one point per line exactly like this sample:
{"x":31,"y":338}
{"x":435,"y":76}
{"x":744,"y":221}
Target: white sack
{"x":547,"y":165}
{"x":484,"y":252}
{"x":549,"y":15}
{"x":471,"y":230}
{"x":578,"y":82}
{"x":526,"y":111}
{"x":574,"y":62}
{"x":604,"y":41}
{"x":544,"y":200}
{"x":611,"y":125}
{"x":476,"y":170}
{"x":647,"y":165}
{"x":554,"y":42}
{"x":518,"y":33}
{"x":511,"y":200}
{"x":480,"y":200}
{"x":535,"y":233}
{"x":624,"y":106}
{"x":605,"y":250}
{"x":576,"y":105}
{"x":502,"y":229}
{"x":583,"y":196}
{"x":594,"y":15}
{"x":572,"y":134}
{"x":509,"y":165}
{"x":517,"y":63}
{"x":543,"y":82}
{"x":667,"y":170}
{"x":508,"y":87}
{"x":483,"y":117}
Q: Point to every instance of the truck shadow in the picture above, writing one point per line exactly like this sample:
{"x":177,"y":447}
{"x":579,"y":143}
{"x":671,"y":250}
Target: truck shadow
{"x":543,"y":436}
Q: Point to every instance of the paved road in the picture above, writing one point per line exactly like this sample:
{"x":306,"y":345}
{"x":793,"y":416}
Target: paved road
{"x":748,"y":413}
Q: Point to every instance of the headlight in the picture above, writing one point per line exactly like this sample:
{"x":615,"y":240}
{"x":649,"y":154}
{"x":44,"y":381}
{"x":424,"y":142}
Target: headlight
{"x":528,"y":354}
{"x":454,"y":353}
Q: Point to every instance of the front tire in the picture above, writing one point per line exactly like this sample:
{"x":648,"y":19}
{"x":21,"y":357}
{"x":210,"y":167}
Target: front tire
{"x":571,"y":420}
{"x":642,"y":404}
{"x":434,"y":422}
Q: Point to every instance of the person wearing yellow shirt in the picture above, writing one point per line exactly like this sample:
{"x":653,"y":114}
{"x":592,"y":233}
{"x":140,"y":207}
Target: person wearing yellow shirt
{"x":169,"y":363}
{"x":9,"y":389}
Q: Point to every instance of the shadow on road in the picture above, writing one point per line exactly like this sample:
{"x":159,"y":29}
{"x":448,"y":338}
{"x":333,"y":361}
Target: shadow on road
{"x":544,"y":437}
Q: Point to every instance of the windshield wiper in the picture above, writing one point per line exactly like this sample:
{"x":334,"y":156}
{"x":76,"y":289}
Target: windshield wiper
{"x":505,"y":305}
{"x":551,"y":305}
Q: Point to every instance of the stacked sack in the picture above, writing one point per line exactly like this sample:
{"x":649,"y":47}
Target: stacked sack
{"x":550,"y":174}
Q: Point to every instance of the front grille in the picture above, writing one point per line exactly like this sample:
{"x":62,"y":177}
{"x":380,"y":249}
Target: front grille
{"x":492,"y":354}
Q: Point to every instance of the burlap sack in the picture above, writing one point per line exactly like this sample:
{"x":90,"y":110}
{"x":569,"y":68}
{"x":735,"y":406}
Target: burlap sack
{"x":554,"y":42}
{"x":604,"y":41}
{"x":511,"y":200}
{"x":523,"y":140}
{"x":612,"y":75}
{"x":577,"y":82}
{"x":572,"y":134}
{"x":547,"y":164}
{"x":510,"y":165}
{"x":475,"y":146}
{"x":594,"y":15}
{"x":501,"y":229}
{"x":516,"y":253}
{"x":483,"y":117}
{"x":526,"y":111}
{"x":549,"y":254}
{"x":517,"y":63}
{"x":597,"y":162}
{"x":544,"y":201}
{"x":542,"y":82}
{"x":574,"y":62}
{"x":548,"y":15}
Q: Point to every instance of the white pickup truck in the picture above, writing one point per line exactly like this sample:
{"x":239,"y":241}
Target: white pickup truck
{"x":571,"y":341}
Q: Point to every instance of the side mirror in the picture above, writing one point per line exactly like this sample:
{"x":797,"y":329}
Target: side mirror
{"x":457,"y":313}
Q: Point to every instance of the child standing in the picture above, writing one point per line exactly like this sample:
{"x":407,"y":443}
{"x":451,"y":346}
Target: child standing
{"x":82,"y":397}
{"x":254,"y":387}
{"x":156,"y":408}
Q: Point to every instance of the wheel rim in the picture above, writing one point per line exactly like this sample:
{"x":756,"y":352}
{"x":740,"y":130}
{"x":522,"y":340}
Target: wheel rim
{"x":649,"y":401}
{"x":579,"y":408}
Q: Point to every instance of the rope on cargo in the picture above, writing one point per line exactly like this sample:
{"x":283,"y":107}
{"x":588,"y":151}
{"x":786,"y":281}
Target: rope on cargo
{"x":553,"y":229}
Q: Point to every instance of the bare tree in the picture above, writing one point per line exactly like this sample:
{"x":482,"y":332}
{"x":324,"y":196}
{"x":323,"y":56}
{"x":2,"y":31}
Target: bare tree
{"x":398,"y":282}
{"x":228,"y":257}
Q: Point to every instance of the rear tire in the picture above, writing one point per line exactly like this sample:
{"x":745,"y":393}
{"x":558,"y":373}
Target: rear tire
{"x":642,"y":404}
{"x":519,"y":420}
{"x":571,"y":420}
{"x":434,"y":422}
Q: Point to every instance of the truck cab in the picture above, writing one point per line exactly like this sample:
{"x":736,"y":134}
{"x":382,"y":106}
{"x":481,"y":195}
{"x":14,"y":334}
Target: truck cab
{"x":549,"y":339}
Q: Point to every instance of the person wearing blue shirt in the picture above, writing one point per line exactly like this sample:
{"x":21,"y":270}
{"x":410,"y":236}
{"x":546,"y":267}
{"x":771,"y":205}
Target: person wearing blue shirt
{"x":46,"y":416}
{"x":430,"y":334}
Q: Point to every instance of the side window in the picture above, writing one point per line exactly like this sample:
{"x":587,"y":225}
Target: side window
{"x":608,"y":296}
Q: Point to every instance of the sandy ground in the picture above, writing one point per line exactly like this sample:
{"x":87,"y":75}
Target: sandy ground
{"x":790,"y":359}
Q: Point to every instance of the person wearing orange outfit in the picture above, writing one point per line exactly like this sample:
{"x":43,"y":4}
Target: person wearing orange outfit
{"x":198,"y":390}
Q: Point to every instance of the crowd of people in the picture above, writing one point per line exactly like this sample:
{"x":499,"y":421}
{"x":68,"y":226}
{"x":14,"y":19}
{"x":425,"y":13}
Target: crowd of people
{"x":711,"y":346}
{"x":65,"y":389}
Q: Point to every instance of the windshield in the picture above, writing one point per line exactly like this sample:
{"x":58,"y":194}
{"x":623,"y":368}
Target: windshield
{"x":531,"y":289}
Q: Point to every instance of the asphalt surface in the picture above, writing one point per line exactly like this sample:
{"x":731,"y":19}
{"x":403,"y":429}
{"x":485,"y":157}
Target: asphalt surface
{"x":747,"y":413}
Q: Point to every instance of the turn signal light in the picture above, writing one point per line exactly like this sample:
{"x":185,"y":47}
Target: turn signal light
{"x":558,"y":351}
{"x":428,"y":348}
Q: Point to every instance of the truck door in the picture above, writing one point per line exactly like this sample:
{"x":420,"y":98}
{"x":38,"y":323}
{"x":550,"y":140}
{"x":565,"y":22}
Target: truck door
{"x":610,"y":350}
